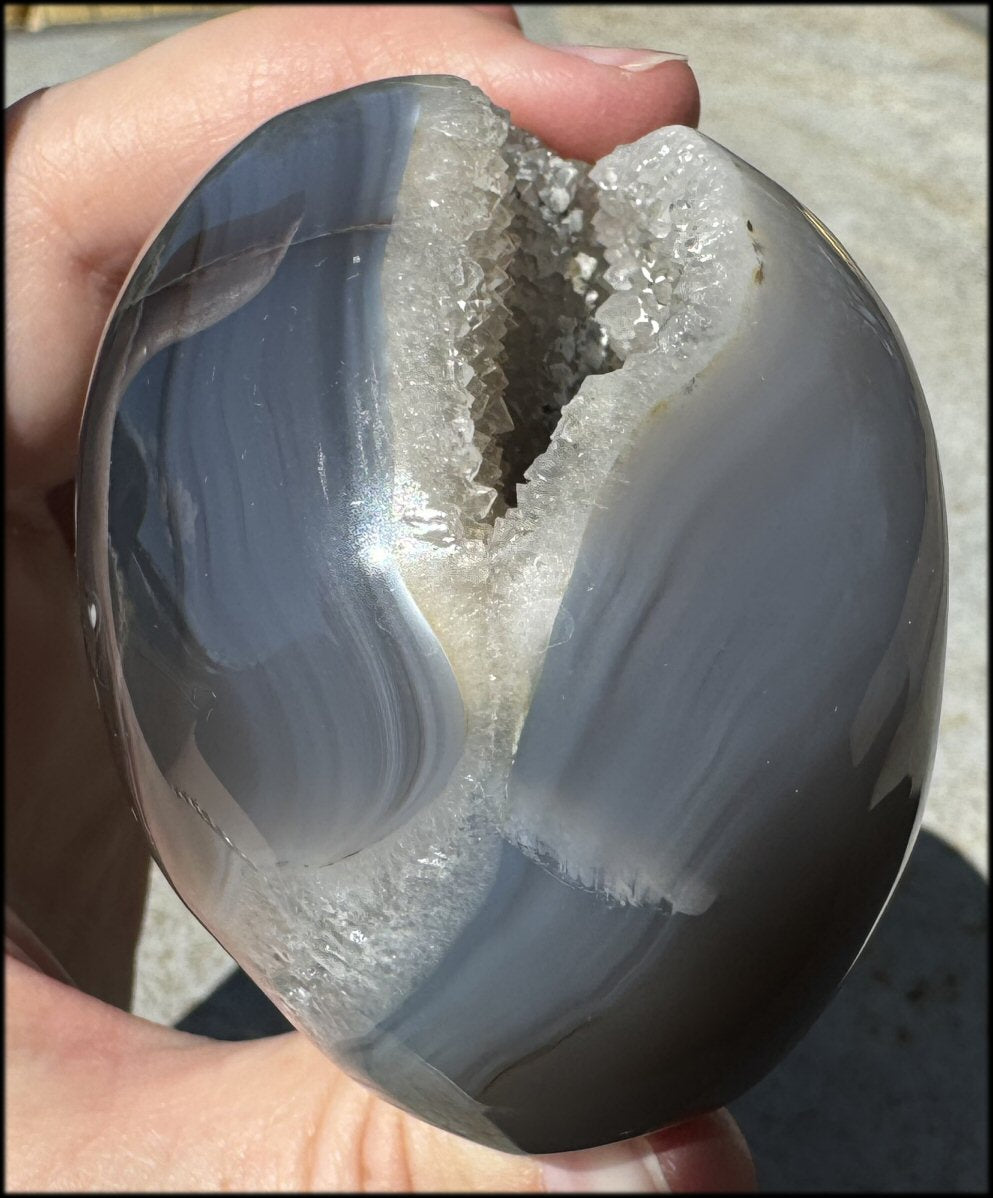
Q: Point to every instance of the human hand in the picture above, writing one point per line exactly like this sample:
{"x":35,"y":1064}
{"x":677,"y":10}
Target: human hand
{"x":99,"y":1099}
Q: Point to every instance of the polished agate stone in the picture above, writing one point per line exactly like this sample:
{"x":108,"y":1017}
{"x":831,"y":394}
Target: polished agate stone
{"x":517,"y":592}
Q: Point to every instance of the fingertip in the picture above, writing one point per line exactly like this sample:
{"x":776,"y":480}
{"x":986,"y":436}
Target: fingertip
{"x":501,"y":12}
{"x":682,"y":94}
{"x":637,"y":102}
{"x":585,"y":109}
{"x":708,"y":1154}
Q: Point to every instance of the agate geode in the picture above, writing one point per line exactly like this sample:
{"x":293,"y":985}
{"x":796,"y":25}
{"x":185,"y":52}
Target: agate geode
{"x":517,"y":591}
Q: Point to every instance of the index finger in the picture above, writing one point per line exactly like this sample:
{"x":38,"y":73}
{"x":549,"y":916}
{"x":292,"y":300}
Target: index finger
{"x":97,"y":164}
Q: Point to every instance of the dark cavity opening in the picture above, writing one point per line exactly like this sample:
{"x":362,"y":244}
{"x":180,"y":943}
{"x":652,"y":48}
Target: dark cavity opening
{"x":553,"y":341}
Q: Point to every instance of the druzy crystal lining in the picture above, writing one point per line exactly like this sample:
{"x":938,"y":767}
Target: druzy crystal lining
{"x":534,"y":319}
{"x":517,"y":591}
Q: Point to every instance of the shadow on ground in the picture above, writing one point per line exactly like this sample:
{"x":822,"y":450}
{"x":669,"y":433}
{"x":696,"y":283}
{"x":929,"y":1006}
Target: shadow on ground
{"x":888,"y":1092}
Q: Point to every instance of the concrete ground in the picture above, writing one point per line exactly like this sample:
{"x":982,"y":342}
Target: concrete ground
{"x":875,"y":117}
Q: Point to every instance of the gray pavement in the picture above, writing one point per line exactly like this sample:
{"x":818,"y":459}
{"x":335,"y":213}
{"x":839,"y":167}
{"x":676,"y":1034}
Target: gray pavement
{"x":876,"y":118}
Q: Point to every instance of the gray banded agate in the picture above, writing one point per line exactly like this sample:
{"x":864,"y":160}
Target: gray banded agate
{"x":517,"y":593}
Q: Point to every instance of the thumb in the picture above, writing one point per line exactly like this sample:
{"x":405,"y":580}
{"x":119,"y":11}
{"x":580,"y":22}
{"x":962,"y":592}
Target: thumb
{"x":346,"y":1138}
{"x":100,"y":1100}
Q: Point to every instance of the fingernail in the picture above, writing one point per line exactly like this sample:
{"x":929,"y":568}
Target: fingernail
{"x":617,"y":56}
{"x":631,"y":1167}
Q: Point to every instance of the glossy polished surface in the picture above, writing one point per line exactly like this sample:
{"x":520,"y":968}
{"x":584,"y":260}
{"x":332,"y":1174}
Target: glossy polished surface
{"x":711,"y":777}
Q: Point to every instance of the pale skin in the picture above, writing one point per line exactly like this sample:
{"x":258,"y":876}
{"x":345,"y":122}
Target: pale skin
{"x":99,"y":1099}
